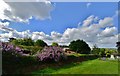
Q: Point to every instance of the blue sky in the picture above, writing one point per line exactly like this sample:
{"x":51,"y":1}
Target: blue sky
{"x":61,"y":22}
{"x":68,"y":15}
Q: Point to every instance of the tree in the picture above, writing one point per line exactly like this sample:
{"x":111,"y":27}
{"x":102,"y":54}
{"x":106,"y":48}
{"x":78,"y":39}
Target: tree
{"x":95,"y":50}
{"x":108,"y":52}
{"x":54,"y":44}
{"x":118,"y":47}
{"x":11,"y":39}
{"x":40,"y":43}
{"x":102,"y":52}
{"x":80,"y":46}
{"x":25,"y":41}
{"x":16,"y":42}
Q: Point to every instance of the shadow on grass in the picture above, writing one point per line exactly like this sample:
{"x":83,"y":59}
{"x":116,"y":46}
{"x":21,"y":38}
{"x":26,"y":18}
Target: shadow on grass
{"x":70,"y":62}
{"x":25,"y":65}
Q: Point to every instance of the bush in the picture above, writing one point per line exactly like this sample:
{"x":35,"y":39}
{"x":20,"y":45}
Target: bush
{"x":32,"y":49}
{"x":54,"y":44}
{"x":51,"y":53}
{"x":9,"y":48}
{"x":102,"y":52}
{"x":25,"y":42}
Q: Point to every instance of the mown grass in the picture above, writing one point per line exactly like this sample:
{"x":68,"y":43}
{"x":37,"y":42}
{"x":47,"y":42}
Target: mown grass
{"x":87,"y":67}
{"x":33,"y":49}
{"x":78,"y":55}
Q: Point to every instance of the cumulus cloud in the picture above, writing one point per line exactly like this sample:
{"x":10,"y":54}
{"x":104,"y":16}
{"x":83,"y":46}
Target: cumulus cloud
{"x":108,"y":21}
{"x":108,"y":32}
{"x":4,"y":26}
{"x":3,"y":7}
{"x":102,"y":33}
{"x":56,"y":35}
{"x":89,"y":20}
{"x":23,"y":11}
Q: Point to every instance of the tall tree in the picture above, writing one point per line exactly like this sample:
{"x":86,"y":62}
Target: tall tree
{"x":11,"y":39}
{"x":25,"y":41}
{"x":95,"y":50}
{"x":40,"y":43}
{"x":80,"y":46}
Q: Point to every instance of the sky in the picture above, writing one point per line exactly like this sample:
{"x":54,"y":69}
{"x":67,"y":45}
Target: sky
{"x":61,"y":22}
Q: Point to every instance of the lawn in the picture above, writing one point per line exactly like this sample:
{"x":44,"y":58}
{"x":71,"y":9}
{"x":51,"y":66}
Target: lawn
{"x":87,"y":67}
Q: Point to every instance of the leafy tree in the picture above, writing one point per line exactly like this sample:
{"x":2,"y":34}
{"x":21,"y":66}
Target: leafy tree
{"x":118,"y":47}
{"x":11,"y":39}
{"x":26,"y":42}
{"x":54,"y":44}
{"x":40,"y":43}
{"x":95,"y":50}
{"x":80,"y":46}
{"x":102,"y":52}
{"x":16,"y":42}
{"x":108,"y":52}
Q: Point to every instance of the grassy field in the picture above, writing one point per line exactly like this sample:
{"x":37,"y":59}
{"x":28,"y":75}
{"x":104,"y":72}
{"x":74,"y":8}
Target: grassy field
{"x":87,"y":67}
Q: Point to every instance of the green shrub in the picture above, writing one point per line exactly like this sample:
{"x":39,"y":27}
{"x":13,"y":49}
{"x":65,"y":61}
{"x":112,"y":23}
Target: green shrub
{"x":25,"y":41}
{"x":33,"y":49}
{"x":54,"y":44}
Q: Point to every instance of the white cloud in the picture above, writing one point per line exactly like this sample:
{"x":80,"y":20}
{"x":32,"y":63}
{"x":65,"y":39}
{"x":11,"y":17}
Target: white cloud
{"x":109,"y":31}
{"x":3,"y":6}
{"x":116,"y":13}
{"x":100,"y":33}
{"x":88,"y":5}
{"x":89,"y":20}
{"x":4,"y":26}
{"x":56,"y":35}
{"x":23,"y":11}
{"x":107,"y":21}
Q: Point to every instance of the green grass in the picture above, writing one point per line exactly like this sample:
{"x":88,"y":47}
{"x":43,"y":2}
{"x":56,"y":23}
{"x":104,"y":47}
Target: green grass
{"x":87,"y":67}
{"x":33,"y":49}
{"x":78,"y":55}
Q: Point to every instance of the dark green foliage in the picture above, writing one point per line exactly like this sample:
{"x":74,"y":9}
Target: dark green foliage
{"x":80,"y":46}
{"x":40,"y":43}
{"x":11,"y":39}
{"x":95,"y":50}
{"x":16,"y":42}
{"x":118,"y":47}
{"x":29,"y":45}
{"x":33,"y":49}
{"x":54,"y":44}
{"x":28,"y":42}
{"x":13,"y":64}
{"x":25,"y":41}
{"x":102,"y":52}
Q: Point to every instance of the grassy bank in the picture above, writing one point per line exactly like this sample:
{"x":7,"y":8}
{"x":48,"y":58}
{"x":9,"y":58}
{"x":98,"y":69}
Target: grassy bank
{"x":87,"y":67}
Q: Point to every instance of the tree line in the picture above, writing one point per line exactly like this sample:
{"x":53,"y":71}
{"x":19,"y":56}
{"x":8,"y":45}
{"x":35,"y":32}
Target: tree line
{"x":78,"y":46}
